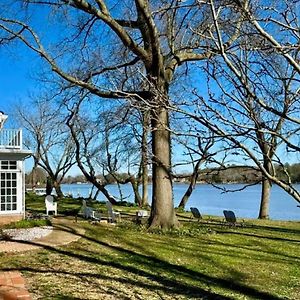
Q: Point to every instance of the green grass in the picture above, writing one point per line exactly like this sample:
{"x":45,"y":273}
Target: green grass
{"x":28,"y":224}
{"x":201,"y":260}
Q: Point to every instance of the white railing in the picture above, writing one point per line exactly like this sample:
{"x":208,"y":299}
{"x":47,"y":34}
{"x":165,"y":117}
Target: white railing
{"x":11,"y":138}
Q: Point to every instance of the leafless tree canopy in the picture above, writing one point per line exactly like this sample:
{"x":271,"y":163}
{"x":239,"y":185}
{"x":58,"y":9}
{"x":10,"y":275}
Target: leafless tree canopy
{"x":135,"y":50}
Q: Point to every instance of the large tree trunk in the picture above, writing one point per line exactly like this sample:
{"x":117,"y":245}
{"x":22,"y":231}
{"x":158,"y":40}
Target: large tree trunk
{"x":162,"y":210}
{"x":265,"y":199}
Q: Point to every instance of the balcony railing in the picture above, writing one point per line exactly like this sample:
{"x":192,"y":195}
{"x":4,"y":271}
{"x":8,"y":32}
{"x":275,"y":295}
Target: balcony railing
{"x":11,"y":138}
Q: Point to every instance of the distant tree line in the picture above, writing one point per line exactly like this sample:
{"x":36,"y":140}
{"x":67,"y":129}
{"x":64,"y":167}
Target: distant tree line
{"x":230,"y":174}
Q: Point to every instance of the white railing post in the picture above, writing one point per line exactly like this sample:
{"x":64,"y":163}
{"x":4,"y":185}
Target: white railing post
{"x":11,"y":138}
{"x":20,"y":138}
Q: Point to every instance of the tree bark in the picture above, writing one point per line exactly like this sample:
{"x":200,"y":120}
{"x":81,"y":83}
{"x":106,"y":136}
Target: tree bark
{"x":33,"y":179}
{"x":105,"y":192}
{"x":191,"y":187}
{"x":265,"y":199}
{"x":162,"y":212}
{"x":145,"y":160}
{"x":57,"y":188}
{"x":265,"y":193}
{"x":135,"y":187}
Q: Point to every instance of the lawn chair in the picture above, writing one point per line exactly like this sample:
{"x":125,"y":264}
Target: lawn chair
{"x":142,"y":216}
{"x":89,"y":212}
{"x":50,"y":205}
{"x":112,"y":215}
{"x":196,"y":213}
{"x":230,"y":217}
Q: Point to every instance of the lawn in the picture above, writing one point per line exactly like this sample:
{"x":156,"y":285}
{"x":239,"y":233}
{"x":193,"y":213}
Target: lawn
{"x":201,"y":260}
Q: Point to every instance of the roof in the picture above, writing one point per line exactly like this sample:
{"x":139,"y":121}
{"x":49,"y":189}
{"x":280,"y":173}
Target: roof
{"x":14,"y":154}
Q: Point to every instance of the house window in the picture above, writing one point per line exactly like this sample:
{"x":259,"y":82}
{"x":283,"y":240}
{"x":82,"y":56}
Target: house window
{"x":8,"y":165}
{"x":8,"y":191}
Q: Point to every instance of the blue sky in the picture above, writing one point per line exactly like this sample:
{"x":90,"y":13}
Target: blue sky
{"x":18,"y":63}
{"x":15,"y":78}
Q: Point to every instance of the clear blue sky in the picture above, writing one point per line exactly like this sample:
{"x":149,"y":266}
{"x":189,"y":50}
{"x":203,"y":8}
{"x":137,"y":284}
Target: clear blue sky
{"x":15,"y":78}
{"x":18,"y":64}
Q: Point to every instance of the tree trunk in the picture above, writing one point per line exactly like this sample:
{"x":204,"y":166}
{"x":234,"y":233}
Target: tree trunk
{"x":96,"y":195}
{"x":135,"y":187}
{"x":49,"y":185}
{"x":265,"y":190}
{"x":57,"y":188}
{"x":265,"y":199}
{"x":33,"y":175}
{"x":145,"y":187}
{"x":33,"y":179}
{"x":105,"y":192}
{"x":162,"y":210}
{"x":145,"y":160}
{"x":191,"y":187}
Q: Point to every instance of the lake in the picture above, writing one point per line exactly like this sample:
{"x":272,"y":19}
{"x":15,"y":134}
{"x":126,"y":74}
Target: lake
{"x":211,"y":201}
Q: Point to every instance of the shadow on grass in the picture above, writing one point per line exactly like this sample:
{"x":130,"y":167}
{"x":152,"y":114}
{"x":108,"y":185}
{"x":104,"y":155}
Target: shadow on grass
{"x":277,"y":229}
{"x":222,"y":228}
{"x":254,"y":235}
{"x":143,"y":265}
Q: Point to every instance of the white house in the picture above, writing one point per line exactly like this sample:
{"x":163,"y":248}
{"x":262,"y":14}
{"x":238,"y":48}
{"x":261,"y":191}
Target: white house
{"x":12,"y":183}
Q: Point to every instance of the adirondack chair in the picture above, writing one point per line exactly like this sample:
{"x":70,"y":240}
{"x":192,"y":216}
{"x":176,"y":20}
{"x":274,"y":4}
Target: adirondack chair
{"x":196,"y":213}
{"x":230,"y":218}
{"x":142,"y":216}
{"x":50,"y":205}
{"x":112,"y":215}
{"x":89,"y":212}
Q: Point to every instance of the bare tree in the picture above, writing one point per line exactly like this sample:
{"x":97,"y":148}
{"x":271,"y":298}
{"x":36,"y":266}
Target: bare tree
{"x":107,"y":144}
{"x":203,"y":157}
{"x":49,"y":138}
{"x":256,"y":74}
{"x":84,"y":135}
{"x":153,"y":38}
{"x":124,"y":154}
{"x":145,"y":158}
{"x":253,"y":132}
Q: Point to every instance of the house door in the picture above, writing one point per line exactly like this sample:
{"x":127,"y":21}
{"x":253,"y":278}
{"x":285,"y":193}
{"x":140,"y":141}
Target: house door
{"x":10,"y":189}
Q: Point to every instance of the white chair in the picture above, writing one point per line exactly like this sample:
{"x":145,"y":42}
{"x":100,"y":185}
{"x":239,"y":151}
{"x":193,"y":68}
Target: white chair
{"x":50,"y":205}
{"x":112,"y":215}
{"x":142,"y":216}
{"x":142,"y":213}
{"x":89,"y":212}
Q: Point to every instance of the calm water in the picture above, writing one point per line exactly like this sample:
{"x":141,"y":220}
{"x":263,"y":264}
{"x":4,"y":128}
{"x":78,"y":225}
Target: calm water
{"x":212,"y":201}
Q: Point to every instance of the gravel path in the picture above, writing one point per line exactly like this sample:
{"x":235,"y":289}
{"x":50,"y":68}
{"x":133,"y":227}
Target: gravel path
{"x":62,"y":232}
{"x":28,"y":234}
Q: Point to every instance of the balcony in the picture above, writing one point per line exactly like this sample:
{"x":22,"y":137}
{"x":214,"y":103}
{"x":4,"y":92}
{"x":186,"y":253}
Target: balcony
{"x":11,"y":139}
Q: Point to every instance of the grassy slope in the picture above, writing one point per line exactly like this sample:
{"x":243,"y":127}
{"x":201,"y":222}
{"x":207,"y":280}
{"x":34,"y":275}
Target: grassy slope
{"x":201,"y":260}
